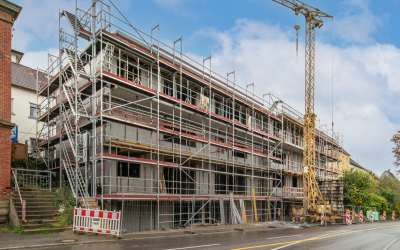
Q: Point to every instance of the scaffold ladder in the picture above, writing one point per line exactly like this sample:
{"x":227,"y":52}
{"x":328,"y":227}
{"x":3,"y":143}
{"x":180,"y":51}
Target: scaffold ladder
{"x":76,"y":181}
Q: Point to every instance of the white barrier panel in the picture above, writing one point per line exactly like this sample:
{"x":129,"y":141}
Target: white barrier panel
{"x":97,"y":221}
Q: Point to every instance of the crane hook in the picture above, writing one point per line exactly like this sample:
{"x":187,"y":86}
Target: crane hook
{"x":297,"y":28}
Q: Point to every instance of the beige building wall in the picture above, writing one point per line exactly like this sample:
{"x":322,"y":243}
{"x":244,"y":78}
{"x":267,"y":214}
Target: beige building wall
{"x":344,"y":162}
{"x":21,"y":115}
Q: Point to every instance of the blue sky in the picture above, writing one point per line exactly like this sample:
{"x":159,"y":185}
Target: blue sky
{"x":187,"y":17}
{"x":358,"y":55}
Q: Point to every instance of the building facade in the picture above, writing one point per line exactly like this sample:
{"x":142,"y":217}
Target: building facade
{"x":144,"y":129}
{"x":24,"y":106}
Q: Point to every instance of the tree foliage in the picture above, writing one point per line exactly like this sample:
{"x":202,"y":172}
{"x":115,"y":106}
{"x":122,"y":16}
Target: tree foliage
{"x":396,"y":148}
{"x":364,"y":190}
{"x":359,"y":189}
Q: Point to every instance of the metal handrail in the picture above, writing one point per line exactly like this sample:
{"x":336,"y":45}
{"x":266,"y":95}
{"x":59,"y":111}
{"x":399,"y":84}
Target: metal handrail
{"x":23,"y":202}
{"x":34,"y":179}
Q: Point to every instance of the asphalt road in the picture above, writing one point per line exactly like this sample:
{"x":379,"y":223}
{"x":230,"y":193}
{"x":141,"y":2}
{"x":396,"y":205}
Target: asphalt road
{"x":379,"y":236}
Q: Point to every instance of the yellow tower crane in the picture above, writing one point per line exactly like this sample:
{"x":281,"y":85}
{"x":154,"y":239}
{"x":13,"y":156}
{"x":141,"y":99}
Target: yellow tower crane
{"x":313,"y":18}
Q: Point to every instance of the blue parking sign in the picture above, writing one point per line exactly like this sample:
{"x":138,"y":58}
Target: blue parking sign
{"x":14,"y":134}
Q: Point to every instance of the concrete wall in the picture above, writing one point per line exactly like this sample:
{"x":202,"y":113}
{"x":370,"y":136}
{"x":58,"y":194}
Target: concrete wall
{"x":146,"y":183}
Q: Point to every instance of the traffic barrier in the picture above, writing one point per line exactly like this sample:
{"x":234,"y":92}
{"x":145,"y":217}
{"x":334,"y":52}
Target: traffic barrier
{"x":347,"y":217}
{"x":361,"y":217}
{"x":97,"y":221}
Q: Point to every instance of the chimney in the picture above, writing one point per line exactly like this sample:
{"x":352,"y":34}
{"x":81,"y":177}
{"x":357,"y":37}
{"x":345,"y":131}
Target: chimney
{"x":8,"y":13}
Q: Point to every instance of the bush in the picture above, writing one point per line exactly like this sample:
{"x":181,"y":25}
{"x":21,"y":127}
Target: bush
{"x":65,"y":202}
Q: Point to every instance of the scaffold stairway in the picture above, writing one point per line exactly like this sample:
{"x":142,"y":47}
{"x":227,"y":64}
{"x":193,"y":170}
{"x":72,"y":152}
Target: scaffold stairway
{"x":79,"y":68}
{"x":79,"y":108}
{"x":70,"y":130}
{"x":108,"y":55}
{"x":82,"y":29}
{"x":76,"y":181}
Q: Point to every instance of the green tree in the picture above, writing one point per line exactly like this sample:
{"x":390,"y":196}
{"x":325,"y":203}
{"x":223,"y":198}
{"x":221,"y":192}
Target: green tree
{"x":362,"y":189}
{"x":389,"y":188}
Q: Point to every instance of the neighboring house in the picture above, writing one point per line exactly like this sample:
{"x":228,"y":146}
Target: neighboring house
{"x":24,"y":107}
{"x":356,"y":166}
{"x":344,"y":161}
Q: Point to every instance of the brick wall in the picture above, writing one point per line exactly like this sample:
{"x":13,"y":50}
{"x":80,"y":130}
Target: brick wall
{"x":5,"y":162}
{"x":6,"y":23}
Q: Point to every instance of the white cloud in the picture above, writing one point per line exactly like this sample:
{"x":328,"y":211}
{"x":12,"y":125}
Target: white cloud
{"x":38,"y":22}
{"x":38,"y":59}
{"x":362,"y":78}
{"x":365,"y":77}
{"x":356,"y":24}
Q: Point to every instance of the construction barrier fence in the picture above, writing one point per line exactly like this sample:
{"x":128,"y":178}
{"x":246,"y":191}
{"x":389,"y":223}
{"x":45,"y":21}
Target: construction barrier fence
{"x":97,"y":221}
{"x":355,"y":215}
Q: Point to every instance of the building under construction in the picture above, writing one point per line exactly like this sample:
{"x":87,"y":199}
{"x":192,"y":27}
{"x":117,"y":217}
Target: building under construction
{"x":140,"y":127}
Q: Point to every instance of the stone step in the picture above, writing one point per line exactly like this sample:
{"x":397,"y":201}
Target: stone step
{"x":39,"y":216}
{"x":37,"y":223}
{"x":35,"y":207}
{"x":15,"y":194}
{"x":3,"y":219}
{"x":4,"y":209}
{"x":34,"y":190}
{"x":39,"y":212}
{"x":40,"y":207}
{"x":4,"y":204}
{"x":45,"y":198}
{"x":34,"y":199}
{"x":91,"y":202}
{"x":51,"y":196}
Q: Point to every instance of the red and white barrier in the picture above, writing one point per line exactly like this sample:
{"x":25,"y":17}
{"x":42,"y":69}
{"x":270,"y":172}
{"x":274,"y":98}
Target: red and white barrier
{"x":347,"y":217}
{"x":97,"y":221}
{"x":361,"y":217}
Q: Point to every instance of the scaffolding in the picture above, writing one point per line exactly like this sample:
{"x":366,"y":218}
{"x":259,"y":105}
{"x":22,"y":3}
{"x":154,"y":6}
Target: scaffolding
{"x":139,"y":126}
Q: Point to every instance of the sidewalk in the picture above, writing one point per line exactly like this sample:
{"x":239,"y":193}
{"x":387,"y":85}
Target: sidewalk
{"x":32,"y":240}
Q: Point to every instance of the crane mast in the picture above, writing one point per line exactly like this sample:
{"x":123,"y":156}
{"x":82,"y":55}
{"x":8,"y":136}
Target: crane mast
{"x":313,"y":18}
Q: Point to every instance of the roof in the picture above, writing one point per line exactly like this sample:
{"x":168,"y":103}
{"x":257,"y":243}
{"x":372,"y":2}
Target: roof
{"x":11,"y":8}
{"x":389,"y":174}
{"x":25,"y":77}
{"x":18,"y":54}
{"x":357,"y":165}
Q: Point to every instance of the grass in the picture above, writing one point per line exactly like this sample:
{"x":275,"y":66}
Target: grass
{"x":6,"y":229}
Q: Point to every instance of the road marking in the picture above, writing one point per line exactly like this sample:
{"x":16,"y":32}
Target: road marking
{"x":324,"y":236}
{"x":191,"y":247}
{"x":285,"y":236}
{"x":282,"y":247}
{"x":388,"y":246}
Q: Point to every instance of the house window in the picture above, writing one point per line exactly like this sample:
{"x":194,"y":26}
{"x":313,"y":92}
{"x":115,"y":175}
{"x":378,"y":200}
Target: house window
{"x":127,"y":169}
{"x":33,"y":111}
